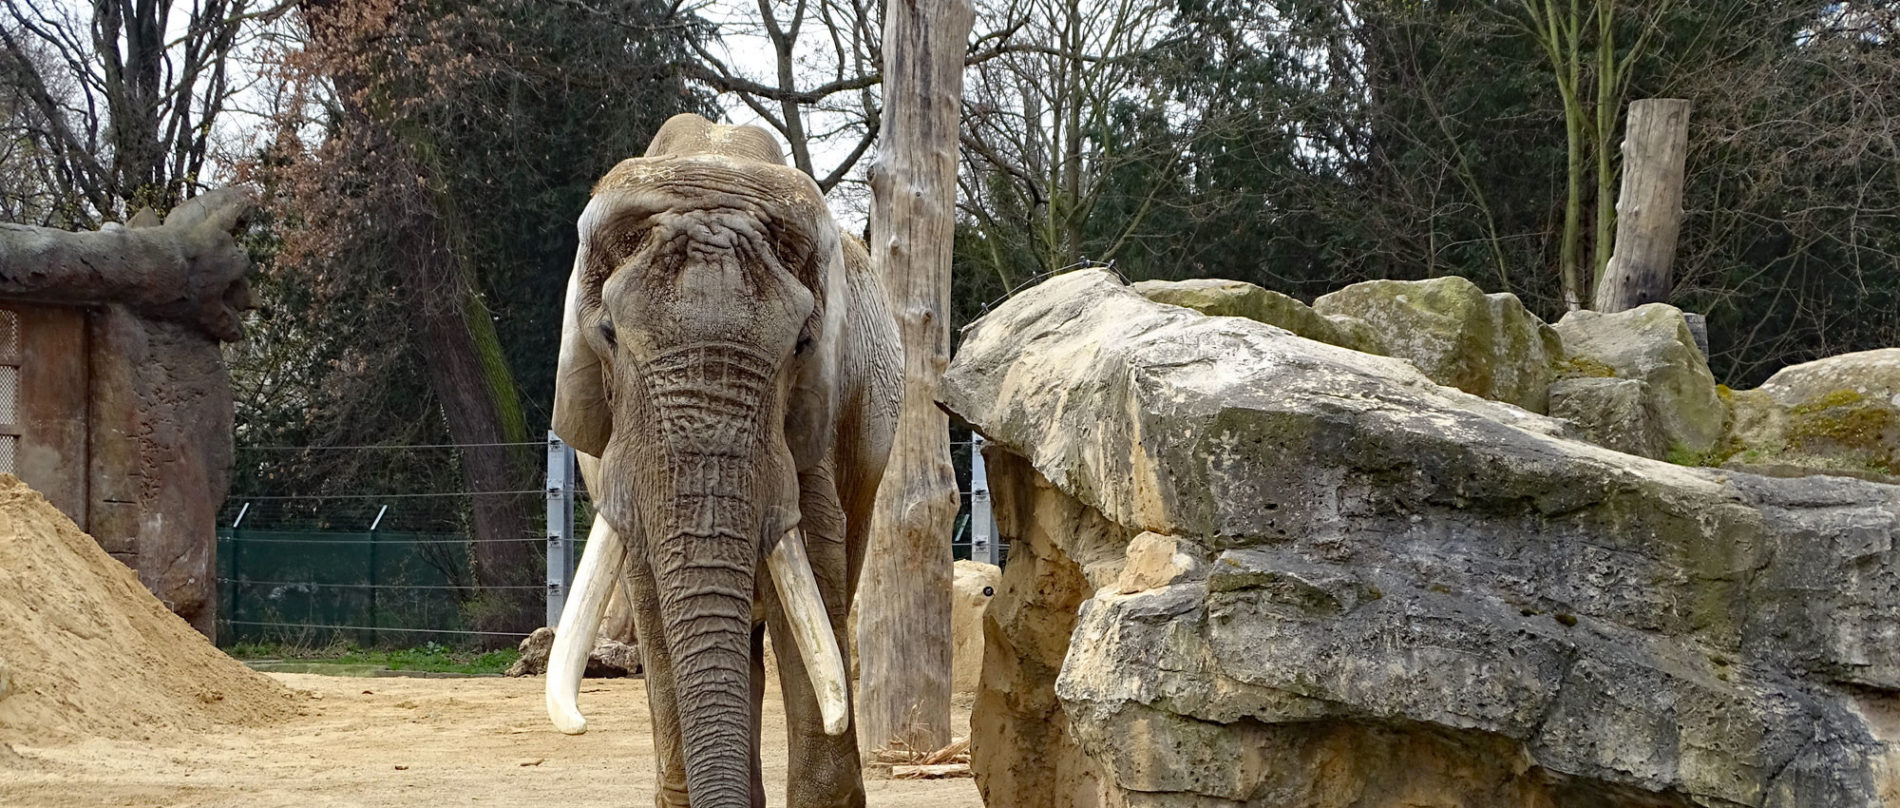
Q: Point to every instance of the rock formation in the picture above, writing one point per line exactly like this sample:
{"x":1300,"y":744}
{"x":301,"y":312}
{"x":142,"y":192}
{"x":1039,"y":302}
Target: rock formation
{"x":1636,"y":381}
{"x":1486,"y":345}
{"x":125,"y":409}
{"x":610,"y":659}
{"x":1649,"y":350}
{"x":971,"y":591}
{"x":1224,"y":298}
{"x":1300,"y":575}
{"x":1839,"y":415}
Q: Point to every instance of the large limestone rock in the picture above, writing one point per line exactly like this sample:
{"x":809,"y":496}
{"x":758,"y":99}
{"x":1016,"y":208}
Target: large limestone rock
{"x":1391,"y":593}
{"x":971,"y":591}
{"x":1839,"y":415}
{"x":1486,"y":345}
{"x":1613,"y":413}
{"x":1653,"y":345}
{"x":1225,"y":298}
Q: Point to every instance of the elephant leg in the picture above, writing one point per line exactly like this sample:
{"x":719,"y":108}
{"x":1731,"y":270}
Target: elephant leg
{"x":823,"y":769}
{"x":662,"y":692}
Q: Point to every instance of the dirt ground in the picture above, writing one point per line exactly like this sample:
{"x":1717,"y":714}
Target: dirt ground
{"x":384,"y":742}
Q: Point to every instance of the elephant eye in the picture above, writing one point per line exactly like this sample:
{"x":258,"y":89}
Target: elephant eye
{"x":607,"y":333}
{"x":804,"y":344}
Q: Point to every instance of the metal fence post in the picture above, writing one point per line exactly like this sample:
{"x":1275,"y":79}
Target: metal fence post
{"x":373,"y":621}
{"x":983,"y":540}
{"x":237,"y":570}
{"x":560,"y":525}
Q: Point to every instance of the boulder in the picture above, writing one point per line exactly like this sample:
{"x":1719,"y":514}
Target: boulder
{"x":1613,"y":413}
{"x":1392,"y":593}
{"x":1839,"y":415}
{"x":1653,"y":344}
{"x":610,"y":659}
{"x":972,"y":588}
{"x":1486,"y":345}
{"x":1224,"y":298}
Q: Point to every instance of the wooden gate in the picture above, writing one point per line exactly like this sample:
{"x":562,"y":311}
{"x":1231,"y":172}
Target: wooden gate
{"x":44,"y":402}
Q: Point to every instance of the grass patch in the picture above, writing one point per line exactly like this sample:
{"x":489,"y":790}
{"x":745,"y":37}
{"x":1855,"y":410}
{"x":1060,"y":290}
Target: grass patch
{"x":433,"y":657}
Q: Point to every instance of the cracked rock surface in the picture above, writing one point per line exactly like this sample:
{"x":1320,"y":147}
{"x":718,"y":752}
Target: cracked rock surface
{"x":1251,"y":569}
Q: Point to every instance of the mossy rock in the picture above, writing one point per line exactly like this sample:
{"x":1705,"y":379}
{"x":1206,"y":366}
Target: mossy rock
{"x":1486,"y":345}
{"x":1652,"y":343}
{"x":1839,"y":415}
{"x":1217,"y":297}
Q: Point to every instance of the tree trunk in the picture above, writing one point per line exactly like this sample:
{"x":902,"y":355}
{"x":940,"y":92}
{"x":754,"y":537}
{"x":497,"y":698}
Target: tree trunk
{"x":1649,"y":209}
{"x":904,"y":602}
{"x":455,"y":334}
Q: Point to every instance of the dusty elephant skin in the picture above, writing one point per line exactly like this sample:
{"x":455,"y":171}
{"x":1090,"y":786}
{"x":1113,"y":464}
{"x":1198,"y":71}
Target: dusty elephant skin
{"x":1305,"y":576}
{"x":728,"y":357}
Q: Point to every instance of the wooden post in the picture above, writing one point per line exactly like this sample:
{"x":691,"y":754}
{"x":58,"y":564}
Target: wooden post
{"x":1649,"y":208}
{"x":904,"y":597}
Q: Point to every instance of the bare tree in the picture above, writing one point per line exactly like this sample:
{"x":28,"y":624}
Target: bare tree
{"x":122,"y":101}
{"x":1564,"y":33}
{"x":1035,"y":111}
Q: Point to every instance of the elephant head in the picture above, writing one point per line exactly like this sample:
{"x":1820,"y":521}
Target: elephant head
{"x":699,"y":363}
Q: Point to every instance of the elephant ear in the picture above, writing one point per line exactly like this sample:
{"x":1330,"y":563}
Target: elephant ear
{"x":582,"y":416}
{"x":811,"y":411}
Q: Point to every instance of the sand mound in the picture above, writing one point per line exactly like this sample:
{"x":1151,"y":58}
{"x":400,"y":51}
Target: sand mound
{"x":88,"y":652}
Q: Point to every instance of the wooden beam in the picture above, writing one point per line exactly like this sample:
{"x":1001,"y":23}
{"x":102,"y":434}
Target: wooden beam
{"x":1649,"y":208}
{"x":904,"y":599}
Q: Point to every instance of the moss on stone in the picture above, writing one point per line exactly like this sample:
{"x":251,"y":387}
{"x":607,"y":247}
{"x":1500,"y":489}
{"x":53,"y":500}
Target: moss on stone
{"x":1844,"y":422}
{"x":1828,"y":401}
{"x":1726,"y":448}
{"x":1583,"y":367}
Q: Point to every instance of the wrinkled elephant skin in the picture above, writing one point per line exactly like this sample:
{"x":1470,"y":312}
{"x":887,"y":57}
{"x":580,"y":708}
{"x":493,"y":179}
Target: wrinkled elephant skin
{"x":727,"y":356}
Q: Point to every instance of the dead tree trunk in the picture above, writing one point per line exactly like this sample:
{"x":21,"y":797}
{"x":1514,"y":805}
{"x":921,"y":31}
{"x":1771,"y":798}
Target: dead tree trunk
{"x":904,"y":600}
{"x":1649,"y":208}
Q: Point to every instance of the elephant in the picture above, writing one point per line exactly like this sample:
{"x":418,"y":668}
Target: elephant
{"x":729,"y":374}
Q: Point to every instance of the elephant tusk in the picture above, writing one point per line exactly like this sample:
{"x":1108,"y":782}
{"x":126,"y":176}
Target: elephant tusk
{"x":811,"y":629}
{"x":580,"y":621}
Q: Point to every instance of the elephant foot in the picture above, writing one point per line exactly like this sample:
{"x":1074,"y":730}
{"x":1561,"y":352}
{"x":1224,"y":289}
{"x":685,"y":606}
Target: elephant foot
{"x":669,"y":795}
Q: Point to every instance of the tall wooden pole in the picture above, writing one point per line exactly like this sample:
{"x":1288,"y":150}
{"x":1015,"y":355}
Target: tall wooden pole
{"x":1649,"y":209}
{"x":904,"y":595}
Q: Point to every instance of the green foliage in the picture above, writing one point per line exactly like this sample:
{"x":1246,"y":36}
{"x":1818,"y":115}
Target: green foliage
{"x":1302,"y":148}
{"x":511,"y":109}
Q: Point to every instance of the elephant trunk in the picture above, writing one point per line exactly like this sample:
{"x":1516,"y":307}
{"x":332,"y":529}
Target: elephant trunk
{"x":704,"y":562}
{"x":719,"y":475}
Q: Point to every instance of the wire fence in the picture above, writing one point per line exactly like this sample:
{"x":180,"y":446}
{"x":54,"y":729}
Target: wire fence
{"x":310,"y":554}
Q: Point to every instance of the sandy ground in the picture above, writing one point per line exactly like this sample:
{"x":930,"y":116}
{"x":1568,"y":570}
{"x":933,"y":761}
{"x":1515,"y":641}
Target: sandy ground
{"x":405,"y":742}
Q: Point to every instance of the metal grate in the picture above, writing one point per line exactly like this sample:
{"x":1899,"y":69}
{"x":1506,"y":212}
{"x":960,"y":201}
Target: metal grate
{"x":8,"y":443}
{"x":9,"y":395}
{"x":9,"y":337}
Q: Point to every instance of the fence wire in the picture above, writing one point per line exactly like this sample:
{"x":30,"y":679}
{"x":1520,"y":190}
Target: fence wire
{"x":310,"y":553}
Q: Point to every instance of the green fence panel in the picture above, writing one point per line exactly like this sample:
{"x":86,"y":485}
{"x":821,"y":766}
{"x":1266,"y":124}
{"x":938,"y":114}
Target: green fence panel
{"x":312,"y":587}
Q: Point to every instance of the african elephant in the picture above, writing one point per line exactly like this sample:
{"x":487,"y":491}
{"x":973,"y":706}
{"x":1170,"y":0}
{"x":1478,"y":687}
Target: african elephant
{"x":728,"y":357}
